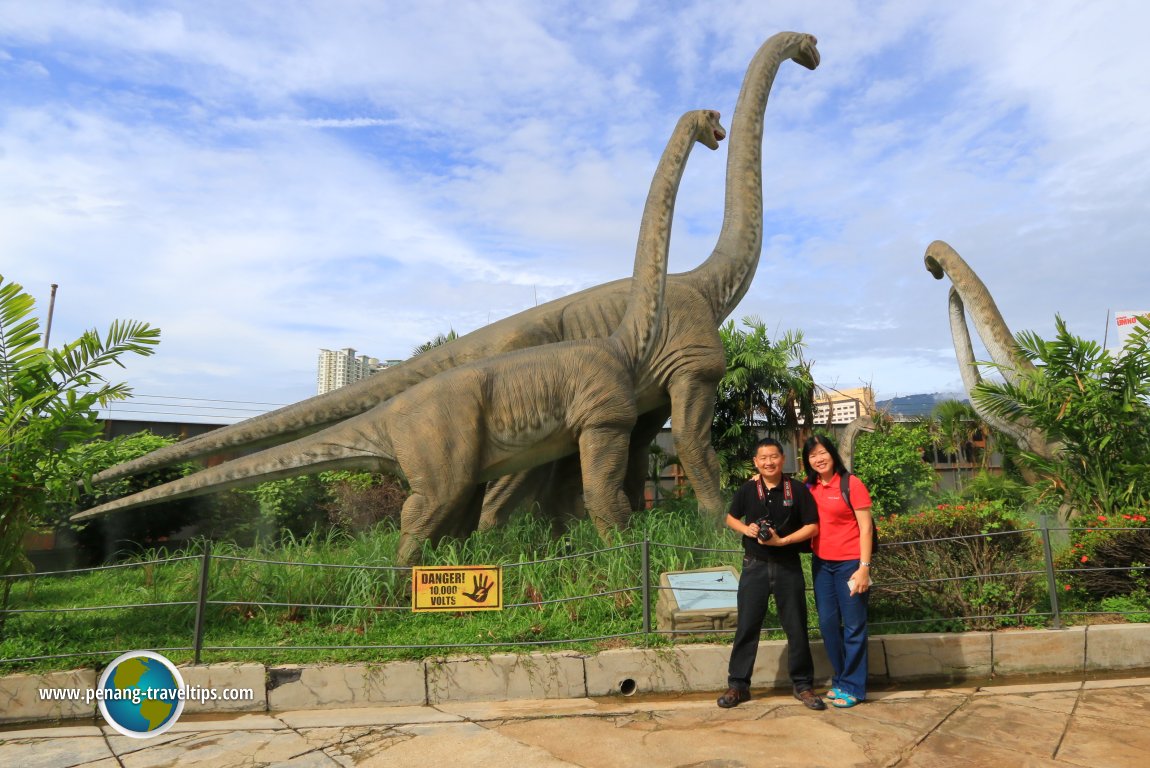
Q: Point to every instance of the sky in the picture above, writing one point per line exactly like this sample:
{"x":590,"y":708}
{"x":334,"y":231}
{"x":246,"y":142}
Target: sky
{"x":261,"y":180}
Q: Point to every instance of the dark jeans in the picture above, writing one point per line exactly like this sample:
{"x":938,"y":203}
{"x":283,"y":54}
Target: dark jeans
{"x":760,"y":579}
{"x":842,"y":622}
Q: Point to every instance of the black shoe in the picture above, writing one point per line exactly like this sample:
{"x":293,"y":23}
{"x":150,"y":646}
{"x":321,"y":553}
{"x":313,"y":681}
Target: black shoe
{"x":809,"y":699}
{"x":734,"y":697}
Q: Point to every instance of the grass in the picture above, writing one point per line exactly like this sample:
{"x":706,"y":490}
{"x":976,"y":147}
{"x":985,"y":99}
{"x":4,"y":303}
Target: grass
{"x":560,"y":592}
{"x":538,"y":568}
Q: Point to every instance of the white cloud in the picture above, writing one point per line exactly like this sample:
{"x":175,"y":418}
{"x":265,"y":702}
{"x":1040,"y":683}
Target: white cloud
{"x":264,"y":180}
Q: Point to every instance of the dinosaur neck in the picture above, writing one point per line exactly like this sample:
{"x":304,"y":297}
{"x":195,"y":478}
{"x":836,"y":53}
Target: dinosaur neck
{"x":992,"y":329}
{"x":968,"y":367}
{"x":640,"y":324}
{"x":725,"y":276}
{"x":1021,"y":429}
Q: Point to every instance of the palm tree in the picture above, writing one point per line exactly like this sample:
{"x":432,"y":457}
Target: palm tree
{"x":48,"y":399}
{"x":768,"y":387}
{"x":439,"y":340}
{"x":956,"y":425}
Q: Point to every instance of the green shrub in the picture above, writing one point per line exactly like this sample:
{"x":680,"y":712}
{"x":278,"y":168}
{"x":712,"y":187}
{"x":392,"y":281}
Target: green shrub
{"x":890,"y":462}
{"x":970,"y":570}
{"x":1107,"y":557}
{"x":986,"y":486}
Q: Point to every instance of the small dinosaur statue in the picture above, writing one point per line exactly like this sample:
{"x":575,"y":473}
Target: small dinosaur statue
{"x":504,"y":414}
{"x":685,"y":368}
{"x":967,"y":290}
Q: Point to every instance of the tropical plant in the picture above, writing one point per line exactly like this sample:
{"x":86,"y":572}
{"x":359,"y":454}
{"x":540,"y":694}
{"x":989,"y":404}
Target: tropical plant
{"x":941,"y":564}
{"x":48,"y":399}
{"x":129,"y":530}
{"x":768,"y":387}
{"x":439,"y":340}
{"x":889,"y":460}
{"x":293,"y":505}
{"x":953,"y":426}
{"x":1094,"y":406}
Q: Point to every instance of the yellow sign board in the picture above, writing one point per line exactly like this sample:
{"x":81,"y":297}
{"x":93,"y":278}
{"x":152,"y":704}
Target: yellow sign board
{"x":457,"y":588}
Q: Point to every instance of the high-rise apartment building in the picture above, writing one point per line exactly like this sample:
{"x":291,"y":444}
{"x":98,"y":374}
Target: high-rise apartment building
{"x":341,"y":367}
{"x":843,"y":406}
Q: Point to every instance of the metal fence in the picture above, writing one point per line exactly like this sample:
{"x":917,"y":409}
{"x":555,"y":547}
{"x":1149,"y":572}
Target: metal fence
{"x":646,"y":585}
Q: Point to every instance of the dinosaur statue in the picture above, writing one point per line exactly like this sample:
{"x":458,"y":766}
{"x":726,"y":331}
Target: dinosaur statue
{"x":967,"y":290}
{"x":851,"y":432}
{"x":504,"y":414}
{"x":685,"y":368}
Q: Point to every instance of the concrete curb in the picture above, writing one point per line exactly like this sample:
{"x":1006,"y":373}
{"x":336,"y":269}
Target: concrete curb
{"x":950,"y":657}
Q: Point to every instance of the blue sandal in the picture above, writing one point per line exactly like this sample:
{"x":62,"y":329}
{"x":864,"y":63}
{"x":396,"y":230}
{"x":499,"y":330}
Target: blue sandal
{"x":844,"y":700}
{"x":834,"y":693}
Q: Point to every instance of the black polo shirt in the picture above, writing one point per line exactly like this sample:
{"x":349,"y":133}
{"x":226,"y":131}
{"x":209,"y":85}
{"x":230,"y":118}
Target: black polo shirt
{"x":786,"y":515}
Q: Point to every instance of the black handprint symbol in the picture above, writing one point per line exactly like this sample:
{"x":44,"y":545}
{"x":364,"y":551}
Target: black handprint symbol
{"x":480,"y":588}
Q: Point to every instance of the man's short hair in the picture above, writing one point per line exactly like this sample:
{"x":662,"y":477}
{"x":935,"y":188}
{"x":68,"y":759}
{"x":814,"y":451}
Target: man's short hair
{"x":772,"y":442}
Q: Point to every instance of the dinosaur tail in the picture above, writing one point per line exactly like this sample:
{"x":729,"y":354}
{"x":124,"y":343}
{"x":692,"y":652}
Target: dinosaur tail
{"x":314,"y":453}
{"x":310,"y":415}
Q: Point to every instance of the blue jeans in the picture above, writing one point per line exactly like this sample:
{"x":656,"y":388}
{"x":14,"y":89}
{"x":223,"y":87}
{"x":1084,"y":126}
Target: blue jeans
{"x":842,"y":622}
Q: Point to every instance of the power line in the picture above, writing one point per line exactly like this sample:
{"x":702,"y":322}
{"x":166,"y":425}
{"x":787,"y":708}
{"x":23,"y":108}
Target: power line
{"x":209,"y":400}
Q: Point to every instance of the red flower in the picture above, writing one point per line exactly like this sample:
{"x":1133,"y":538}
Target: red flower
{"x":1067,"y":587}
{"x":1084,"y":559}
{"x":1102,"y":518}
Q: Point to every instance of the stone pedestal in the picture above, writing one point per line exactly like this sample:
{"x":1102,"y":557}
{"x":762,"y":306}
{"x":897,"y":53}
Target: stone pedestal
{"x":698,"y":601}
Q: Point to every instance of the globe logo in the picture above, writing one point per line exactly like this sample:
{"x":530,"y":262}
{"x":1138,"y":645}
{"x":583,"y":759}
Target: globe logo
{"x":139,"y":694}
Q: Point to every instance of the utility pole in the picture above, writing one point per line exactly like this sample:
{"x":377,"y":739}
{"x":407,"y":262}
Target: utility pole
{"x":51,"y":308}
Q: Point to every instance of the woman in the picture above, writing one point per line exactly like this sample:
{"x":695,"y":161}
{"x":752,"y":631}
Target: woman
{"x":841,"y":568}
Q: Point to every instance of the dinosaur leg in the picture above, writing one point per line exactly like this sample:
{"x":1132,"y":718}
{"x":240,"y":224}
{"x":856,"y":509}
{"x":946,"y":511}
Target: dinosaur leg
{"x":561,"y":500}
{"x":428,"y":516}
{"x":693,"y":409}
{"x":603,"y":456}
{"x":648,"y":427}
{"x":506,"y":494}
{"x":442,"y":467}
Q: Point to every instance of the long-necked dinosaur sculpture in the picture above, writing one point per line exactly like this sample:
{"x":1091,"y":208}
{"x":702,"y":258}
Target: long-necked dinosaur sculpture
{"x":497,"y":416}
{"x":967,"y":291}
{"x":686,"y":364}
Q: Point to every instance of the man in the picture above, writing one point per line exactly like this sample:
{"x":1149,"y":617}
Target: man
{"x":774,"y":514}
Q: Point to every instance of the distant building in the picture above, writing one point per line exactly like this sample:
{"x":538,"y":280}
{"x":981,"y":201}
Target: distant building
{"x":342,"y":367}
{"x":843,"y":406}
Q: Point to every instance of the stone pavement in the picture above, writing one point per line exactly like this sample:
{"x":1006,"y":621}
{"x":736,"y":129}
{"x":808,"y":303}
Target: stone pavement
{"x":1072,"y":723}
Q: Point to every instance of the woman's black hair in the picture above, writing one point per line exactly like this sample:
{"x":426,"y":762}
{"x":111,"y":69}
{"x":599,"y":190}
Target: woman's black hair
{"x":836,"y":460}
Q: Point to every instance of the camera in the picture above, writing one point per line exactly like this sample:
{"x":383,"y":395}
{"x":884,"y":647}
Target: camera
{"x":765,"y":532}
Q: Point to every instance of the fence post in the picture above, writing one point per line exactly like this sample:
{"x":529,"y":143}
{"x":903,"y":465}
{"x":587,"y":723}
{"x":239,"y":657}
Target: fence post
{"x":1051,"y":582}
{"x":201,"y":603}
{"x":646,"y":587}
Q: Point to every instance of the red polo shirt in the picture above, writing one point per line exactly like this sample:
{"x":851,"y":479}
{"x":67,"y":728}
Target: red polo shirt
{"x":838,"y":536}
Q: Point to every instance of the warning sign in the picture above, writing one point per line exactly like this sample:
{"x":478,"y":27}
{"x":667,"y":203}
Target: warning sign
{"x":457,"y":588}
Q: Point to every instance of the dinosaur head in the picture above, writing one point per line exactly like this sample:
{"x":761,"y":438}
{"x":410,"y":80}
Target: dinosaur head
{"x":708,"y":130}
{"x":808,"y":54}
{"x":934,"y":253}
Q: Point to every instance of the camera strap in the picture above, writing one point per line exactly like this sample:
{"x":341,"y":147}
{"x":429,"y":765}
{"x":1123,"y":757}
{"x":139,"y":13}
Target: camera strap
{"x":788,"y":495}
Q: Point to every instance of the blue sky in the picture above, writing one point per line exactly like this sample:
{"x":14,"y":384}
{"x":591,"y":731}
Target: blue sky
{"x":262,"y":180}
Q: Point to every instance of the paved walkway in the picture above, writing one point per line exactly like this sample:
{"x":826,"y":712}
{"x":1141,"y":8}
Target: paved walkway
{"x":1095,"y":724}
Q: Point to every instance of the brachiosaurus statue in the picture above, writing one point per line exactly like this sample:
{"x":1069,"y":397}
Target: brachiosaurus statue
{"x":686,"y":365}
{"x":967,"y":290}
{"x":500,"y":415}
